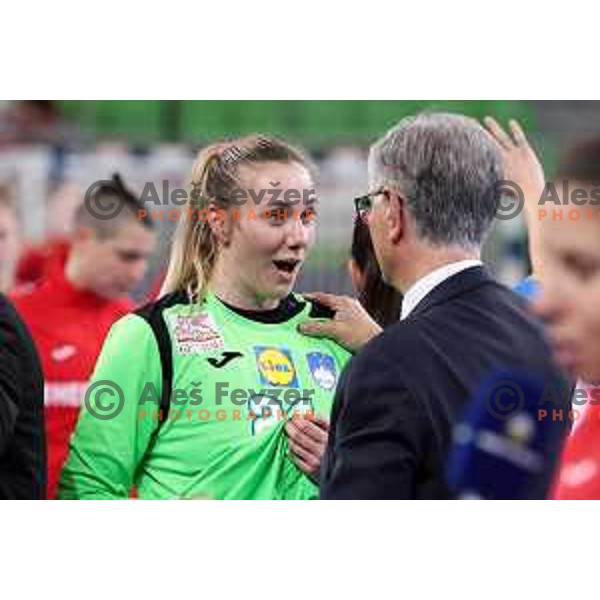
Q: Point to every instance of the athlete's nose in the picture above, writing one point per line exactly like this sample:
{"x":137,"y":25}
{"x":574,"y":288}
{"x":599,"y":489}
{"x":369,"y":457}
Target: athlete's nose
{"x":298,"y":234}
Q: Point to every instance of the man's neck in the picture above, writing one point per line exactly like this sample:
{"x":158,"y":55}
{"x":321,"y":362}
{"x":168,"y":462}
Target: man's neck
{"x":430,"y":262}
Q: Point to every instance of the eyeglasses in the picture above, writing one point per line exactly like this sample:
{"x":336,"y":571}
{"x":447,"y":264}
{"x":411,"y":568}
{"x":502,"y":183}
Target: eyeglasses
{"x":364,"y":204}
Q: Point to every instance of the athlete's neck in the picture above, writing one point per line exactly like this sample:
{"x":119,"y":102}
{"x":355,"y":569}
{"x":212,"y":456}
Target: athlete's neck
{"x":230,"y":292}
{"x":5,"y":280}
{"x":239,"y":300}
{"x":224,"y":284}
{"x":74,"y":273}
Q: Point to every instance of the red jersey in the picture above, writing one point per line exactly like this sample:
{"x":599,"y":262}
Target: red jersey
{"x":69,"y":326}
{"x":579,"y":473}
{"x":44,"y":260}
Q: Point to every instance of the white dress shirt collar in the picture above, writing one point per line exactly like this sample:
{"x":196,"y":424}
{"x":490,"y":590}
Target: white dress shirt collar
{"x":426,"y":284}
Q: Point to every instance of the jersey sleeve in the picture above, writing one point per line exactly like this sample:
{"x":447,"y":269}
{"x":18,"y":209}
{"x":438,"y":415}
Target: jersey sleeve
{"x":115,"y":426}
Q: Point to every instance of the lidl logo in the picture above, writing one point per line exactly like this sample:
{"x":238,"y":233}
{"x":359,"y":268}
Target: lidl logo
{"x":275,"y":366}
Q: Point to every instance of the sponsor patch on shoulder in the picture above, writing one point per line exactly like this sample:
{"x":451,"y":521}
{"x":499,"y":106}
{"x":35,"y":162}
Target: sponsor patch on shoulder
{"x":322,"y":369}
{"x":193,"y":334}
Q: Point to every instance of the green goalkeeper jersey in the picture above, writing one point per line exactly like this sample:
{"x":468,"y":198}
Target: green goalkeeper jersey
{"x":235,"y":378}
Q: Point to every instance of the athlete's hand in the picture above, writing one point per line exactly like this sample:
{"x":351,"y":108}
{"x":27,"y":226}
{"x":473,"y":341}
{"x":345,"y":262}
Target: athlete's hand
{"x":307,"y":442}
{"x":522,"y":166}
{"x":521,"y":163}
{"x":351,"y":327}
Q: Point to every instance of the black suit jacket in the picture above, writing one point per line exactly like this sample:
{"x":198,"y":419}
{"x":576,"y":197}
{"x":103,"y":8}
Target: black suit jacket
{"x":399,"y":397}
{"x":22,"y":437}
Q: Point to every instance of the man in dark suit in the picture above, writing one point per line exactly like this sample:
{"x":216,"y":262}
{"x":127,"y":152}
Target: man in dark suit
{"x":22,"y":438}
{"x":434,"y":197}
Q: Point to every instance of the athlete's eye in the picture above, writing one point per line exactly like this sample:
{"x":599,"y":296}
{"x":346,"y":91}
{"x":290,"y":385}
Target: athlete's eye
{"x":130,"y":256}
{"x":309,"y":216}
{"x":276,"y":217}
{"x":582,"y":267}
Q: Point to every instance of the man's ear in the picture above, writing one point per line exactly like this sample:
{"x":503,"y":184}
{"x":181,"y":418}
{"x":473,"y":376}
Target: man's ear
{"x":220,"y":224}
{"x":396,"y":217}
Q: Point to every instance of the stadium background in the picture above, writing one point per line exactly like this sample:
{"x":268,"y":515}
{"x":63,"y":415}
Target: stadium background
{"x":154,"y":141}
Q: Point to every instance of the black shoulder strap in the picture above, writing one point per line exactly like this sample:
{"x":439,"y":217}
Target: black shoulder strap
{"x":153,"y":315}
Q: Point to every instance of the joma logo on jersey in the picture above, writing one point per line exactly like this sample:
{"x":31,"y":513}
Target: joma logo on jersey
{"x":275,"y":366}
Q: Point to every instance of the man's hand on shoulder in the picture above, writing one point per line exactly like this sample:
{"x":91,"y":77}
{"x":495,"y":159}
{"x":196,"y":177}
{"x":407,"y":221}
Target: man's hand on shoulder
{"x":351,"y":326}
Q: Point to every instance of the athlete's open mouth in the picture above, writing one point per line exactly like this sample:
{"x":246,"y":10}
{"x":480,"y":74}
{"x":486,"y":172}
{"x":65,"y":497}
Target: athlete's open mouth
{"x":287,"y":266}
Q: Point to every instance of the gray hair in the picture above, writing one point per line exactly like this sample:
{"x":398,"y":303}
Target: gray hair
{"x":448,"y":169}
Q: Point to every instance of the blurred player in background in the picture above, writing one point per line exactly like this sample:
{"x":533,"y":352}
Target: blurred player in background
{"x":9,"y":237}
{"x":561,"y":235}
{"x":28,"y":122}
{"x":569,"y":303}
{"x":48,"y":258}
{"x":229,"y":320}
{"x":70,"y":313}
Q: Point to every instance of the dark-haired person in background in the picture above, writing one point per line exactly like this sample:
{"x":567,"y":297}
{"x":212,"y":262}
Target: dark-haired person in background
{"x":22,"y":445}
{"x":378,"y":298}
{"x":69,"y":314}
{"x":378,"y":304}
